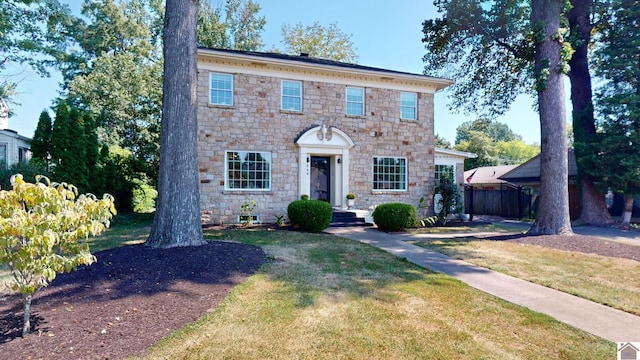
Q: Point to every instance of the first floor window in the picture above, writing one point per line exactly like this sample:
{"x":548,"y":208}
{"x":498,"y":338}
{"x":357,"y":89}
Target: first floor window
{"x":221,"y":89}
{"x":24,"y":154}
{"x":355,"y":101}
{"x":3,"y":155}
{"x":247,"y":170}
{"x":291,"y":95}
{"x":390,"y":173}
{"x":448,"y":170}
{"x":408,"y":106}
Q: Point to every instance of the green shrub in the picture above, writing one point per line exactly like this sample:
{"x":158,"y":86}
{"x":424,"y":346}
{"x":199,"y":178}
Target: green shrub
{"x":395,"y":216}
{"x":310,"y":215}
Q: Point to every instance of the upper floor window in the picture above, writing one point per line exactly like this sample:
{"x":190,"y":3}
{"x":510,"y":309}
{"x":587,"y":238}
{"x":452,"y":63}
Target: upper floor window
{"x":248,"y":170}
{"x":355,"y":101}
{"x":291,"y":95}
{"x":390,"y":173}
{"x":221,"y":89}
{"x":408,"y":106}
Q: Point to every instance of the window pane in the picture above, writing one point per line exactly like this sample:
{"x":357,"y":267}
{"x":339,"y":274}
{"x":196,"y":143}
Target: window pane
{"x":355,"y":101}
{"x":221,"y":89}
{"x":408,"y":106}
{"x":389,"y":173}
{"x":292,"y":95}
{"x":248,"y":170}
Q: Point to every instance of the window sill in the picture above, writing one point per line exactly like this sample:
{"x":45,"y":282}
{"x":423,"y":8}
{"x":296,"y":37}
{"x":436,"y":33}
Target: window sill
{"x":409,"y":120}
{"x":291,"y":112}
{"x":355,"y":116}
{"x":247,"y":192}
{"x":388,"y":192}
{"x":216,"y":106}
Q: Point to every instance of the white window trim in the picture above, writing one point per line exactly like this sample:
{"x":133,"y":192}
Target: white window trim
{"x":282,"y":95}
{"x":415,"y":107}
{"x":406,"y":175}
{"x":211,"y":88}
{"x":346,"y":100}
{"x":226,"y":172}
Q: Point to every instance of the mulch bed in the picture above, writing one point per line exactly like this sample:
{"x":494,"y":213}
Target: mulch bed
{"x":133,"y":296}
{"x":128,"y":300}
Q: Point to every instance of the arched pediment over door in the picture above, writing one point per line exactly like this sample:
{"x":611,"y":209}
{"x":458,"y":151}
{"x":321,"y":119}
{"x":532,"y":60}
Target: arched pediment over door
{"x":334,"y":145}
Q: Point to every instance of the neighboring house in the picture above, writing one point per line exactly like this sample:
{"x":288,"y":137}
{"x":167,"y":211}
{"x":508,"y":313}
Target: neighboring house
{"x":273,"y":127}
{"x":450,"y":162}
{"x":527,"y":175}
{"x":13,"y":147}
{"x":487,"y":177}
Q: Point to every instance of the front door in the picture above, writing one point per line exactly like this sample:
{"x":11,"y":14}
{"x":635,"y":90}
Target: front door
{"x":320,"y":178}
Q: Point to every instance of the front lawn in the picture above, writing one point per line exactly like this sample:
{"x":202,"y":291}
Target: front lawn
{"x":607,"y":280}
{"x":322,"y":296}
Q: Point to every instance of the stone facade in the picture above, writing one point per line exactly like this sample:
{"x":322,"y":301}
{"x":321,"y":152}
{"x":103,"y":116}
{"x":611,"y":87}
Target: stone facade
{"x":256,"y":123}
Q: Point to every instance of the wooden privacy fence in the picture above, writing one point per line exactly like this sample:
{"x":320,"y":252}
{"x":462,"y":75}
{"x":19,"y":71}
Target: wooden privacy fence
{"x":507,"y":202}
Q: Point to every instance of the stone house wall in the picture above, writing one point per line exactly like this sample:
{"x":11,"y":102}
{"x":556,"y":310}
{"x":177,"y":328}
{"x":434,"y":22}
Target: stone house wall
{"x":256,"y":123}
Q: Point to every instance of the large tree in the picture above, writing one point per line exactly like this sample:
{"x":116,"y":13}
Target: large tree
{"x":593,"y":209}
{"x":177,"y":217}
{"x":618,"y":99}
{"x":319,"y":41}
{"x":487,"y":47}
{"x":553,"y":207}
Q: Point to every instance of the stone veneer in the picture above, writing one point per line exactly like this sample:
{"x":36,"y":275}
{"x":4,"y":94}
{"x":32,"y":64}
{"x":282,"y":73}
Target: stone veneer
{"x":256,"y":123}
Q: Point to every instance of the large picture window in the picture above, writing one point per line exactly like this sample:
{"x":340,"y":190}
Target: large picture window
{"x":291,"y":95}
{"x":390,"y":173}
{"x":221,"y":89}
{"x":246,"y":170}
{"x":408,"y":106}
{"x":355,"y":101}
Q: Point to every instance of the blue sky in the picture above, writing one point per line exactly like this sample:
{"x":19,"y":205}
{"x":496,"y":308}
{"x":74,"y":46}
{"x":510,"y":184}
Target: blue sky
{"x":386,"y":34}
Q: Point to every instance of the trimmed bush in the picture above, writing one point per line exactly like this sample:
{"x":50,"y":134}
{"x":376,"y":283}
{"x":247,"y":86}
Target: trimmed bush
{"x":310,"y":215}
{"x":395,"y":216}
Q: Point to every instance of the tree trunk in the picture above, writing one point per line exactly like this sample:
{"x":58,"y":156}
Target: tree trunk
{"x":628,"y":210}
{"x":593,"y":208}
{"x":553,"y":209}
{"x":177,"y":217}
{"x":26,"y":328}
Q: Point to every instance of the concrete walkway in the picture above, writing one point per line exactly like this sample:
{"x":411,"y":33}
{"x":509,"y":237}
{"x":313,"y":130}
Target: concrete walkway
{"x":600,"y":320}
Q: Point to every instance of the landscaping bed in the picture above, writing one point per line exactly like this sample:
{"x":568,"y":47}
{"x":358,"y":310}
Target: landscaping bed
{"x":128,"y":300}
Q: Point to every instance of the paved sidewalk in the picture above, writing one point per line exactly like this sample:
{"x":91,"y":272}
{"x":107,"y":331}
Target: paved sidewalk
{"x":600,"y":320}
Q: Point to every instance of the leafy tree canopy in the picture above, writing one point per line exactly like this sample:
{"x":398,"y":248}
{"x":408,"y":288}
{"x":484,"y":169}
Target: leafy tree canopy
{"x":496,"y":131}
{"x":236,"y":26}
{"x":318,"y":41}
{"x":618,"y":100}
{"x":487,"y":47}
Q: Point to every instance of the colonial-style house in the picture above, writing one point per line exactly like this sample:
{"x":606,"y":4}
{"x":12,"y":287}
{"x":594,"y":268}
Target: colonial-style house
{"x":274,"y":127}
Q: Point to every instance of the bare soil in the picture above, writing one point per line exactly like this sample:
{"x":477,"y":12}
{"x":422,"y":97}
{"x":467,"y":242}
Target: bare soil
{"x":133,"y":296}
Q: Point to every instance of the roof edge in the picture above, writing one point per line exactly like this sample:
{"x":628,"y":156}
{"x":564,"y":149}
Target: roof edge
{"x":317,"y":63}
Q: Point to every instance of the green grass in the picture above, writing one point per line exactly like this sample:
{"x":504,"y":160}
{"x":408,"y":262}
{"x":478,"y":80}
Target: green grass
{"x":610,"y":281}
{"x":322,"y":296}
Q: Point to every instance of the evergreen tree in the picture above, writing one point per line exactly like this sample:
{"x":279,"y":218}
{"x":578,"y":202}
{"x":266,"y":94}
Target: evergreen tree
{"x":41,"y":142}
{"x":618,"y":65}
{"x":69,"y":147}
